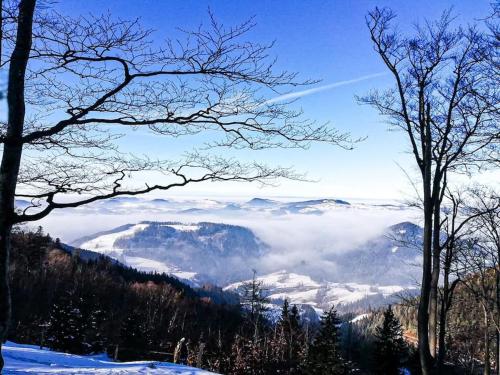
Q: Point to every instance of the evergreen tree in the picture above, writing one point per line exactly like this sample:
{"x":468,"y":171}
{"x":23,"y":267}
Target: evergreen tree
{"x":285,"y":311}
{"x":254,"y":299}
{"x":390,"y":348}
{"x":324,"y":354}
{"x":294,"y":319}
{"x":133,"y":338}
{"x":279,"y":360}
{"x":295,"y":340}
{"x":94,"y":336}
{"x":67,"y":326}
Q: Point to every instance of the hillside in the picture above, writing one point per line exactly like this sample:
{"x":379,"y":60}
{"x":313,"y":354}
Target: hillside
{"x":196,"y":252}
{"x":109,"y":307}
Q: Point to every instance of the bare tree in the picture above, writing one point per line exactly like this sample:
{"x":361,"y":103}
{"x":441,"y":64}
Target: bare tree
{"x":478,"y":265}
{"x":445,"y":99}
{"x":74,"y":82}
{"x":462,"y":209}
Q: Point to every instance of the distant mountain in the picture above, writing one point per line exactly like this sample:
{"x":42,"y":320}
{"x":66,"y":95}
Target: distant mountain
{"x":261,"y":202}
{"x":391,"y":258}
{"x":368,"y":275}
{"x":127,"y":205}
{"x":192,"y":211}
{"x":213,"y":252}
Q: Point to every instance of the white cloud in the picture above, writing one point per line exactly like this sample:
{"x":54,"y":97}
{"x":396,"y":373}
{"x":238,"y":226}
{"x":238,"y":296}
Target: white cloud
{"x":299,"y":94}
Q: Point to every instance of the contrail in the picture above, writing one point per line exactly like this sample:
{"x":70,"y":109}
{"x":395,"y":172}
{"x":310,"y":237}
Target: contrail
{"x":299,"y":94}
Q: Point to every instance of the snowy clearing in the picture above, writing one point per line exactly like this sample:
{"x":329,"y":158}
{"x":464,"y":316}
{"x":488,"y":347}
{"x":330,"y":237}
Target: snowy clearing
{"x":29,"y":359}
{"x":106,"y":243}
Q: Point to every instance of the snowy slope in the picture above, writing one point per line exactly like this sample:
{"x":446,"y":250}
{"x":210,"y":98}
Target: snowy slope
{"x":105,"y":244}
{"x":302,"y":290}
{"x":28,"y":359}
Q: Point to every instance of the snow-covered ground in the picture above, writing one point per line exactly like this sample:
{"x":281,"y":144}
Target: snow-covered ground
{"x":28,"y":359}
{"x":150,"y":265}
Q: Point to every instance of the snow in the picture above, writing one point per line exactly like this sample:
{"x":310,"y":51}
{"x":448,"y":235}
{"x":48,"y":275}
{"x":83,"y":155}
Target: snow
{"x":29,"y":359}
{"x":147,"y":265}
{"x":184,"y":227}
{"x":282,"y":280}
{"x":359,"y":317}
{"x":105,"y":244}
{"x":346,"y":293}
{"x":150,"y":265}
{"x":301,"y":289}
{"x":394,"y":249}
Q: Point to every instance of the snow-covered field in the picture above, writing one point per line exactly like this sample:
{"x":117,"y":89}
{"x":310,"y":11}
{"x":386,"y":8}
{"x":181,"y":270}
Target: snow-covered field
{"x":28,"y":359}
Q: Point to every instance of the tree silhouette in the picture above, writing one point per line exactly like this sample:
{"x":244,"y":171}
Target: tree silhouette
{"x":77,"y":83}
{"x":390,"y":347}
{"x":324,"y":354}
{"x":445,"y":99}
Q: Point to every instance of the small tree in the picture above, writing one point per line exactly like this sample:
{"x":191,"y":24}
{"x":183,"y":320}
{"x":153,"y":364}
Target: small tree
{"x":324,"y":354}
{"x":67,"y":326}
{"x":297,"y":337}
{"x":254,"y":299}
{"x":478,"y":262}
{"x":390,"y":347}
{"x":286,"y":342}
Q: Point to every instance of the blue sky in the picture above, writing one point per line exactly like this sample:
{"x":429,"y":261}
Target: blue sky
{"x":325,"y":40}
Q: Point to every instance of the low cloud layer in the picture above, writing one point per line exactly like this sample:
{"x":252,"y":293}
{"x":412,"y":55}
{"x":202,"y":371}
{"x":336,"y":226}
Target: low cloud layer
{"x":298,"y":242}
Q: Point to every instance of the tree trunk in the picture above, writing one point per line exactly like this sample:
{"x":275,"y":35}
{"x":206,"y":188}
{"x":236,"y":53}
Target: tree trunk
{"x":12,"y":152}
{"x":5,"y":307}
{"x":497,"y":323}
{"x":445,"y":306}
{"x":436,"y":269}
{"x":423,"y":306}
{"x":442,"y":332}
{"x":497,"y":353}
{"x":487,"y":365}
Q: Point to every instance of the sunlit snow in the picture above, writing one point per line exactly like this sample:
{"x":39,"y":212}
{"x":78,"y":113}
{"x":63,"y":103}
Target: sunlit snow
{"x":29,"y":359}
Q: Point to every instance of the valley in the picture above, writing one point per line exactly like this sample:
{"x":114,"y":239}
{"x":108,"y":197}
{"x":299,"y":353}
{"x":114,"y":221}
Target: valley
{"x":374,"y":272}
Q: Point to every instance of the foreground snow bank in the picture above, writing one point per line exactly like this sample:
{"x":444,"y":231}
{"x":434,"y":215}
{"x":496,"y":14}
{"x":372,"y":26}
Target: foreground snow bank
{"x":29,"y":359}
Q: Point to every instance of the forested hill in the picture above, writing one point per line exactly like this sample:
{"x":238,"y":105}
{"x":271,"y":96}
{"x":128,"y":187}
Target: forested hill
{"x":105,"y":306}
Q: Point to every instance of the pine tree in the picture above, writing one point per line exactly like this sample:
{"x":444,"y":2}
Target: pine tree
{"x":133,"y":337}
{"x":285,"y":311}
{"x":324,"y":354}
{"x":94,"y":336}
{"x":279,"y":361}
{"x":254,"y":299}
{"x":296,"y":340}
{"x":390,"y":347}
{"x":294,"y":319}
{"x":67,"y":326}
